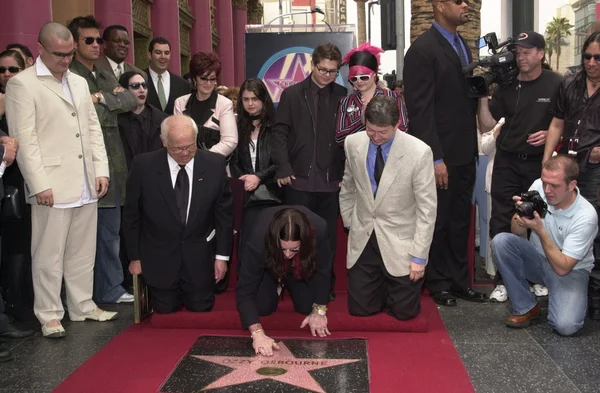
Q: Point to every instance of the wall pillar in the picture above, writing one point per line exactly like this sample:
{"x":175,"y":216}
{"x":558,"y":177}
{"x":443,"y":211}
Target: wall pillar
{"x":201,"y":34}
{"x":17,"y":24}
{"x":116,"y":12}
{"x":224,"y":22}
{"x":240,"y":20}
{"x":165,"y":23}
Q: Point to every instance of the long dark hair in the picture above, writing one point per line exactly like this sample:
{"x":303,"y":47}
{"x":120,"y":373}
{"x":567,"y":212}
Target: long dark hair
{"x":290,"y":224}
{"x":244,"y":122}
{"x":579,"y":84}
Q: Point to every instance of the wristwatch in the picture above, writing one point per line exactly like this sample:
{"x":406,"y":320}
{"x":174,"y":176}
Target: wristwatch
{"x":98,"y":96}
{"x":319,"y":310}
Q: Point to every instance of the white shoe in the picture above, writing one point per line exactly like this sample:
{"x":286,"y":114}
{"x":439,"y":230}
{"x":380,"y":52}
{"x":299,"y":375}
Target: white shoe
{"x":540,"y":290}
{"x":53,"y":331}
{"x":499,"y":294}
{"x":96,"y":315}
{"x":125,"y":298}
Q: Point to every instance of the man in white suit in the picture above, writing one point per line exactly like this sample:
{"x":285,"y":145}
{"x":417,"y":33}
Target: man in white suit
{"x":63,"y":160}
{"x":388,"y":200}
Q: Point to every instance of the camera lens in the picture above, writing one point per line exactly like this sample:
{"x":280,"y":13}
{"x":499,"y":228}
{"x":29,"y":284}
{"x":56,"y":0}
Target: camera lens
{"x":525,"y":209}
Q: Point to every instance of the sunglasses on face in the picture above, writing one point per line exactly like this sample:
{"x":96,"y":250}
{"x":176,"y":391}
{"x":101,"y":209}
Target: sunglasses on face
{"x":137,"y":85}
{"x":12,"y":70}
{"x":362,"y":78}
{"x":457,"y":2}
{"x":589,"y":56}
{"x":206,"y":79}
{"x":90,"y":40}
{"x":119,"y":41}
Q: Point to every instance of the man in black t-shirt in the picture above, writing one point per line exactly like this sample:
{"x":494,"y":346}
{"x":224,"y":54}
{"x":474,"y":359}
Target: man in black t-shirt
{"x":520,"y":145}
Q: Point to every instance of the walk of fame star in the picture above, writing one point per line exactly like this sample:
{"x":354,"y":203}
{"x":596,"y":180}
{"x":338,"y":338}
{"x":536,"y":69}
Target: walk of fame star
{"x":283,"y":366}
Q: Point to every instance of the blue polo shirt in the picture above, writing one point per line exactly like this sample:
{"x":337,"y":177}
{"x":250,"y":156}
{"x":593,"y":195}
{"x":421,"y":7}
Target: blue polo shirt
{"x":573,"y":229}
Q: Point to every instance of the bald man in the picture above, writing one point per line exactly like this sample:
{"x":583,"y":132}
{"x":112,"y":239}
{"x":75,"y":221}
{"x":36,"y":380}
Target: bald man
{"x":178,"y":220}
{"x":63,"y":160}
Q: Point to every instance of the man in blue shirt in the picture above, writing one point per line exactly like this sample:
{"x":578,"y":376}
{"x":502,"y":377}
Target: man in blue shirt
{"x":388,"y":200}
{"x":558,"y":253}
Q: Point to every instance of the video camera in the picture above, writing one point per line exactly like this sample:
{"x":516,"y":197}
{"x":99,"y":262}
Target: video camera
{"x":532,"y":202}
{"x":502,"y":66}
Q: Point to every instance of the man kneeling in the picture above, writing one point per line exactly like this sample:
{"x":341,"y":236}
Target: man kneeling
{"x":558,"y":253}
{"x":178,"y":219}
{"x":388,"y":199}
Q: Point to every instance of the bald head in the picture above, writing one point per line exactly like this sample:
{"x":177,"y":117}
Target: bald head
{"x":177,"y":124}
{"x":179,"y":134}
{"x":53,"y":29}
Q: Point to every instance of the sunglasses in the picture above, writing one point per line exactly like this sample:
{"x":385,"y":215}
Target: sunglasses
{"x":362,"y":78}
{"x":457,"y":2}
{"x":589,"y":56}
{"x":90,"y":40}
{"x":137,"y":85}
{"x":119,"y":41}
{"x":211,"y":80}
{"x":12,"y":70}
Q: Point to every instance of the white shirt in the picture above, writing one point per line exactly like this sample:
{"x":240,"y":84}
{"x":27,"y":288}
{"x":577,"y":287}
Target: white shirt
{"x":253,"y":146}
{"x":166,"y":81}
{"x":86,"y":194}
{"x":113,"y":66}
{"x":189,"y":169}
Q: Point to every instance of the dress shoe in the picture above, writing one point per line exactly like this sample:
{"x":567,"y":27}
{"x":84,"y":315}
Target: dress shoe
{"x":525,"y":320}
{"x":53,"y":331}
{"x":5,"y":355}
{"x":125,"y":298}
{"x":444,"y":298}
{"x":470,"y":295}
{"x":96,"y":315}
{"x":13,"y":333}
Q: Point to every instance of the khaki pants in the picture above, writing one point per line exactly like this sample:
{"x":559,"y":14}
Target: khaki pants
{"x":63,"y":245}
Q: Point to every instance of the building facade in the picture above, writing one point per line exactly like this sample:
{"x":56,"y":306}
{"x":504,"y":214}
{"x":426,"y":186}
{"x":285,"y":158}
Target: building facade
{"x":190,"y":25}
{"x":586,"y":12}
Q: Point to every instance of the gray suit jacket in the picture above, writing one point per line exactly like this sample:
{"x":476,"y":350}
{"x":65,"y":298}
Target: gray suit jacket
{"x":404,"y":212}
{"x":103,"y":63}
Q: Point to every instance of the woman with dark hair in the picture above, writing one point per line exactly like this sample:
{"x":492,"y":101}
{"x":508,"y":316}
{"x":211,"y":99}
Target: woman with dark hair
{"x":288,"y":248}
{"x":140,"y":128}
{"x":212,"y":112}
{"x":11,"y":63}
{"x":251,"y":161}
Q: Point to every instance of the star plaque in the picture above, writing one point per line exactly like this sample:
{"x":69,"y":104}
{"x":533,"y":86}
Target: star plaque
{"x":229,"y":365}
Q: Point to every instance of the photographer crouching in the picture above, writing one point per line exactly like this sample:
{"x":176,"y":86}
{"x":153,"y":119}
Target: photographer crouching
{"x":557,"y":254}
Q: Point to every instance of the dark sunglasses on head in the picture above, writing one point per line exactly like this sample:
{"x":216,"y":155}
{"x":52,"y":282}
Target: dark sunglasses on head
{"x":137,"y":85}
{"x":589,"y":56}
{"x":362,"y":78}
{"x":119,"y":41}
{"x":90,"y":40}
{"x":12,"y":70}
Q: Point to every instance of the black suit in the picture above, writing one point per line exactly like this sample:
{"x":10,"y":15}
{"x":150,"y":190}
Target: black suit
{"x":256,"y":289}
{"x":179,"y":87}
{"x":176,"y":256}
{"x":443,"y":116}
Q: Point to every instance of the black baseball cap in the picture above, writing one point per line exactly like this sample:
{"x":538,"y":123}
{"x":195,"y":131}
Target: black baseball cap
{"x":531,"y":39}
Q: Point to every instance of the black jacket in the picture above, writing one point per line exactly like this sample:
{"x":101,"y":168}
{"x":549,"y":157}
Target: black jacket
{"x":253,"y":269}
{"x":152,"y":228}
{"x":155,"y":142}
{"x":295,"y":140}
{"x":179,"y":87}
{"x":440,"y":112}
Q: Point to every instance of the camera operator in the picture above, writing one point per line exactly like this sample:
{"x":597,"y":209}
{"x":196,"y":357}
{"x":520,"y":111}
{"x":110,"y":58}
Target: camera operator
{"x":557,"y":254}
{"x":520,"y":145}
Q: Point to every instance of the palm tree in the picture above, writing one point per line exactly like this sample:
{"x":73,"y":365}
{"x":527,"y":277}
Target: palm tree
{"x":549,"y":48}
{"x":556,"y":31}
{"x":422,"y":18}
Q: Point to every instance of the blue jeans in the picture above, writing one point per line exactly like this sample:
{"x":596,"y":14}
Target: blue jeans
{"x":108,"y":270}
{"x":518,"y":261}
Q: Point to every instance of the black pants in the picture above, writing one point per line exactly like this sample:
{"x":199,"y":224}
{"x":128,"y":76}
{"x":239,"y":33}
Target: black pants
{"x":3,"y":317}
{"x":371,"y":289}
{"x":589,"y":186}
{"x":183,"y":293}
{"x":301,"y":291}
{"x":512,"y":175}
{"x":448,"y":266}
{"x":324,"y":204}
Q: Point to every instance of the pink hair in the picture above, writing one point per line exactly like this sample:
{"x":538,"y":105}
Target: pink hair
{"x":366,"y":47}
{"x":359,"y":70}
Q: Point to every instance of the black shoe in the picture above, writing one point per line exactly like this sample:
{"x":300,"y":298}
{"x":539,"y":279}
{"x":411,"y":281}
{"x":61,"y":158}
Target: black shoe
{"x":5,"y":355}
{"x":594,"y":308}
{"x":444,"y":298}
{"x":15,"y":334}
{"x":470,"y":295}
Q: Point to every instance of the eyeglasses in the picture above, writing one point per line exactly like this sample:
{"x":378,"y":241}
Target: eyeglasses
{"x":12,"y":70}
{"x":59,"y":54}
{"x":325,"y":71}
{"x":137,"y":85}
{"x":209,"y":80}
{"x":589,"y":56}
{"x":183,"y":148}
{"x":119,"y":41}
{"x":457,"y":2}
{"x":362,"y":78}
{"x":90,"y":40}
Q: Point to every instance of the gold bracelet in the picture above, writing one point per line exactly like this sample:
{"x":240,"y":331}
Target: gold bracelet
{"x":256,"y":331}
{"x":320,"y":310}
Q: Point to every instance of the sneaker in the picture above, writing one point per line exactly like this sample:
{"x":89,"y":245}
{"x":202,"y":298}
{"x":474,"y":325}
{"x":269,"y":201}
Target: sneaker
{"x":499,"y":295}
{"x":125,"y":298}
{"x":540,"y":290}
